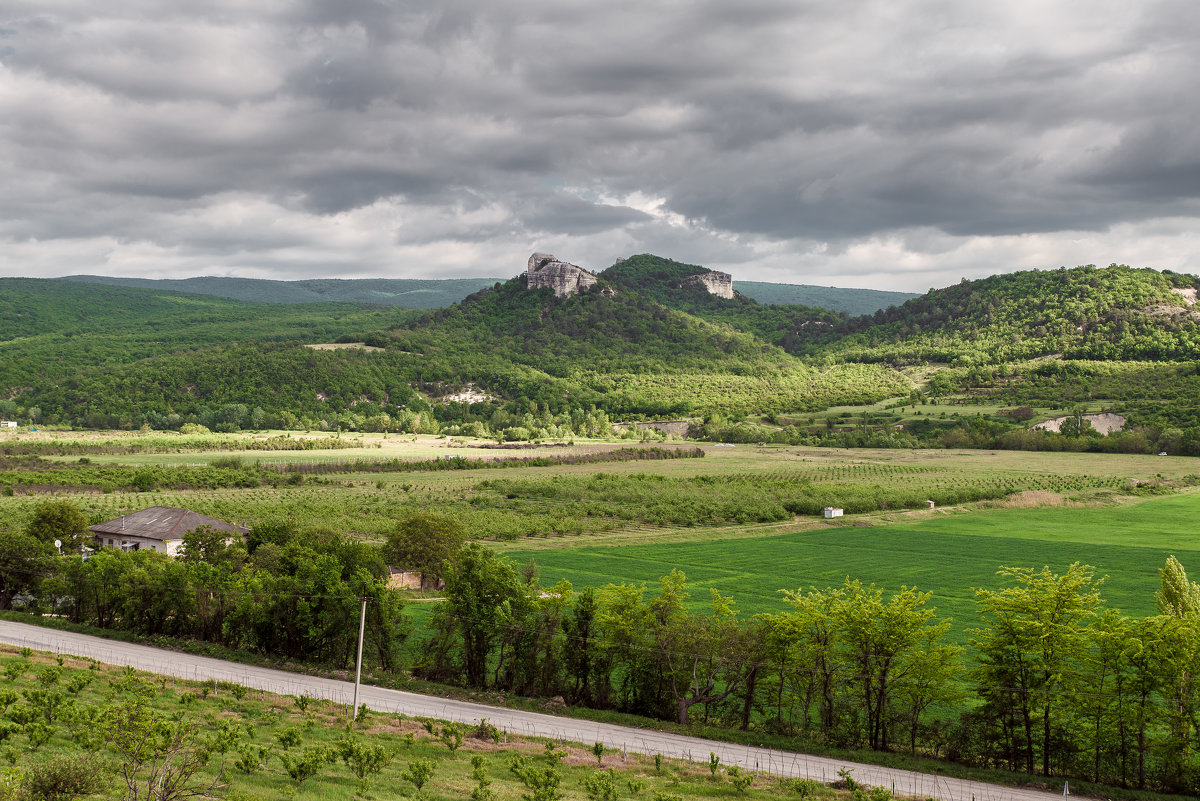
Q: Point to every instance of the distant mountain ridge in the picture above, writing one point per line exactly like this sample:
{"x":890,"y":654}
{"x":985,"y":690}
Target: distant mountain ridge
{"x":408,"y":293}
{"x":415,"y":293}
{"x":854,"y":302}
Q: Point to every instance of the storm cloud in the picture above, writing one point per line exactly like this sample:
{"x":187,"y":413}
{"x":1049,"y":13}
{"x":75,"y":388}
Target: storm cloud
{"x":896,"y":145}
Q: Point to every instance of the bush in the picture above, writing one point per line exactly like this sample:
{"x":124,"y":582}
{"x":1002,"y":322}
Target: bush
{"x":62,"y":778}
{"x":418,"y":773}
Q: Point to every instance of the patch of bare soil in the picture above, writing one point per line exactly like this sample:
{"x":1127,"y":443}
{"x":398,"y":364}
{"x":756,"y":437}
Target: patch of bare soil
{"x":1030,"y":499}
{"x":1104,"y":422}
{"x":344,"y":346}
{"x":1189,"y":294}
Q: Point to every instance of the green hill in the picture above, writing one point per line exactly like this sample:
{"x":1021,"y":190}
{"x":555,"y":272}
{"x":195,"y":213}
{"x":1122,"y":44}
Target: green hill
{"x":107,"y":356}
{"x":76,"y":351}
{"x":642,"y":343}
{"x":1113,"y":313}
{"x":623,"y":351}
{"x":664,"y":280}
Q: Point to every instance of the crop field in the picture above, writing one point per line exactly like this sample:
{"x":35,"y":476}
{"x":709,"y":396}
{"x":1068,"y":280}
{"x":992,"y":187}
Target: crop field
{"x":742,"y":519}
{"x":726,"y":493}
{"x":268,"y":448}
{"x":950,"y":555}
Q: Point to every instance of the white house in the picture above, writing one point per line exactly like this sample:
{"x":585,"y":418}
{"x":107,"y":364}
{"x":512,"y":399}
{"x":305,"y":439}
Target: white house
{"x":157,"y":528}
{"x":833,"y":511}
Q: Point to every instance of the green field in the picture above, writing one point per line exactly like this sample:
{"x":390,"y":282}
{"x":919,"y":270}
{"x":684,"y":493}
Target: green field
{"x":950,"y":555}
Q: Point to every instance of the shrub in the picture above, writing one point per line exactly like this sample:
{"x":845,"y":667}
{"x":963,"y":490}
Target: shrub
{"x":38,"y":733}
{"x":363,"y":759}
{"x":451,"y":736}
{"x":484,"y":730}
{"x":601,"y":786}
{"x":289,"y":737}
{"x":306,"y":765}
{"x":62,"y":778}
{"x":741,"y":781}
{"x":418,"y":773}
{"x":250,"y":758}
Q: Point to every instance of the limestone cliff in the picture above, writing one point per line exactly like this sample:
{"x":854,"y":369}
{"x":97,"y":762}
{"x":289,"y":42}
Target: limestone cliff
{"x":719,"y":284}
{"x":545,"y":271}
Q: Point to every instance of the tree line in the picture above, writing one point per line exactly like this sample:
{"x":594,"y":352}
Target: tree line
{"x":1054,"y":682}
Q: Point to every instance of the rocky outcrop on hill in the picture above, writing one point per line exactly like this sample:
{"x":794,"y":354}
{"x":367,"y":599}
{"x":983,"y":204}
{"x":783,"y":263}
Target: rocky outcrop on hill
{"x":545,"y":271}
{"x":719,"y":284}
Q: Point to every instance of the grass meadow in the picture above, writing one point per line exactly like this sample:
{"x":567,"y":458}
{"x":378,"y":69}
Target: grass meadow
{"x":948,"y":554}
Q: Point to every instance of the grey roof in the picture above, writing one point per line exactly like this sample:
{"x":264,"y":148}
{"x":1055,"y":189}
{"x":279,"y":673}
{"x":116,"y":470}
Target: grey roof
{"x":162,"y":523}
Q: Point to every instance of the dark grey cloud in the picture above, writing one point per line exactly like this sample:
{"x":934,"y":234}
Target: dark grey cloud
{"x":880,"y":142}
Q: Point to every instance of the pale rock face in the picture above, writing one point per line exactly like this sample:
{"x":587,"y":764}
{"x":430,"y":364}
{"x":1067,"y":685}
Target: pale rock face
{"x":537,"y":260}
{"x":564,"y":279}
{"x":719,"y":284}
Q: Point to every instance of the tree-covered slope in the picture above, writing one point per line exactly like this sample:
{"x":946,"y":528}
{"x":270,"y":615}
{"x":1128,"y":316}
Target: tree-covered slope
{"x":104,"y":356}
{"x":595,"y":330}
{"x":1111,"y":313}
{"x":51,"y":330}
{"x":664,"y":280}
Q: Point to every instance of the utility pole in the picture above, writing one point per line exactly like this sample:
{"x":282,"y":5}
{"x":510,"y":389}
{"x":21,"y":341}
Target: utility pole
{"x":362,"y":626}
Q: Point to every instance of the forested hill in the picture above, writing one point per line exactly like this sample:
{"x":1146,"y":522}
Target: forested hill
{"x":1109,"y":313}
{"x":665,"y":281}
{"x":114,"y":356}
{"x":625,"y":352}
{"x":637,"y":344}
{"x":406,"y":293}
{"x":594,"y":331}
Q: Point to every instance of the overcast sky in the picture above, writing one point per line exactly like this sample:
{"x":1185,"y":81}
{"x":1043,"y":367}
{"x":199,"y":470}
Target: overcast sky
{"x":895,"y":144}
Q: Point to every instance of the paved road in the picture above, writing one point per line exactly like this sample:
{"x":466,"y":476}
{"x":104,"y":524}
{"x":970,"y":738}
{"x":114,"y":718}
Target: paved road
{"x":624,"y":738}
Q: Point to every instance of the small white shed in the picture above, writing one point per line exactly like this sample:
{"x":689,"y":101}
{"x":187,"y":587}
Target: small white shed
{"x":833,"y":511}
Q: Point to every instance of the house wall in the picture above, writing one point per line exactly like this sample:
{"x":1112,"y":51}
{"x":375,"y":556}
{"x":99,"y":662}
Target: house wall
{"x":169,"y":547}
{"x":404,"y":581}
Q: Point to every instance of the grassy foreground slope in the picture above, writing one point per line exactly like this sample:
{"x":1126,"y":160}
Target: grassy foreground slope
{"x":222,"y":740}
